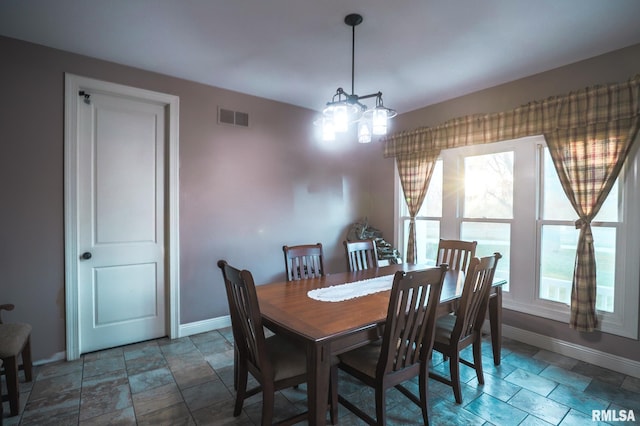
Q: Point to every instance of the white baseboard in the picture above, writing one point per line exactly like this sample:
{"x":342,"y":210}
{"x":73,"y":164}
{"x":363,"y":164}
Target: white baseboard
{"x":204,"y":326}
{"x":582,"y":353}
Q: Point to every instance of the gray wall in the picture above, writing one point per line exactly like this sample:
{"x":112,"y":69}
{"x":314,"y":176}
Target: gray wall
{"x":244,"y":192}
{"x":613,"y":67}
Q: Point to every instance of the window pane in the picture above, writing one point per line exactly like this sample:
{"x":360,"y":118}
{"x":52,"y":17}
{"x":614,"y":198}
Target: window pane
{"x":557,"y":205}
{"x":432,"y":206}
{"x":491,"y":238}
{"x":427,"y":238}
{"x":558,"y":258}
{"x":488,"y":186}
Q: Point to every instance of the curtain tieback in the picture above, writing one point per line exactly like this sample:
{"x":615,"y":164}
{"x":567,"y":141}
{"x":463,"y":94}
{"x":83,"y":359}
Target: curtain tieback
{"x":583,"y":224}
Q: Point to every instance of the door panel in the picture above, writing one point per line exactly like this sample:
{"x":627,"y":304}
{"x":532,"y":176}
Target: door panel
{"x":120,"y":221}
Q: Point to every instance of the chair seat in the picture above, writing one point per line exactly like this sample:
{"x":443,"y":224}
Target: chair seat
{"x":364,"y":359}
{"x":444,"y":328}
{"x":287,"y":358}
{"x":12,"y":338}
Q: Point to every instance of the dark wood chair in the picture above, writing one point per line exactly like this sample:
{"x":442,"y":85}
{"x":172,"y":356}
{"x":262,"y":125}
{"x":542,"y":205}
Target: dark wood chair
{"x":15,"y":344}
{"x":405,"y":348}
{"x":275,"y":362}
{"x":456,"y":331}
{"x":303,"y":261}
{"x":361,"y":255}
{"x":456,"y":253}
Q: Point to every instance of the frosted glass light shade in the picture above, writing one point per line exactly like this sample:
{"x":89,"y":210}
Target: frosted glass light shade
{"x":379,"y":121}
{"x":364,"y":132}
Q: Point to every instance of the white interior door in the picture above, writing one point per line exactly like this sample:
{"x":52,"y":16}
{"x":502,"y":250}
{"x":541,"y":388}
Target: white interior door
{"x":121,"y":221}
{"x":121,"y":207}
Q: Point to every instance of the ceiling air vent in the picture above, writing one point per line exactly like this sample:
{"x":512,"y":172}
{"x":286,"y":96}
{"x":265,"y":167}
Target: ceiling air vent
{"x":235,"y":118}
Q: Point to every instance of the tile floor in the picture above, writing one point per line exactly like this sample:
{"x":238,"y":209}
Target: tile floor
{"x":189,"y":381}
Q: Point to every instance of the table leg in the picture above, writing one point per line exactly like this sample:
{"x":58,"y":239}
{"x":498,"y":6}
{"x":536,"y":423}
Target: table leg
{"x":495,"y":320}
{"x":318,"y":367}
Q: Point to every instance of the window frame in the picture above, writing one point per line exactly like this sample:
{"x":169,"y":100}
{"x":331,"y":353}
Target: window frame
{"x":526,"y":228}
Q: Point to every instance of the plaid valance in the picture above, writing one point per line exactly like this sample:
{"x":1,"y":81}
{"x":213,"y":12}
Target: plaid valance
{"x":595,"y":104}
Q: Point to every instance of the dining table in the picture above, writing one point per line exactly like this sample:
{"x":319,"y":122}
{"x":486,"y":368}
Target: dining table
{"x":329,"y":328}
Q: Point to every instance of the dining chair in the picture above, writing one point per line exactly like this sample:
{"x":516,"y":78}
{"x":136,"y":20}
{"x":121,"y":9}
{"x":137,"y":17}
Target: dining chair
{"x":276,"y":362}
{"x":15,"y":344}
{"x":303,"y":261}
{"x":405,"y":348}
{"x":456,"y":253}
{"x":458,"y":330}
{"x":361,"y":255}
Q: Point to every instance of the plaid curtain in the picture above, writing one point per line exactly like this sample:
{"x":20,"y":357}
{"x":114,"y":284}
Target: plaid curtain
{"x":589,"y":133}
{"x":415,"y":174}
{"x":588,"y":161}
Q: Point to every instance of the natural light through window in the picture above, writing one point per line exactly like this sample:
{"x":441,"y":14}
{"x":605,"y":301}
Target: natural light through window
{"x":508,"y":197}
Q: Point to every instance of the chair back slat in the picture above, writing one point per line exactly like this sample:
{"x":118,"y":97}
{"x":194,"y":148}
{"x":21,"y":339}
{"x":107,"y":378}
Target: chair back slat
{"x":246,"y":320}
{"x":361,"y":255}
{"x":475,"y":294}
{"x":409,"y":329}
{"x":303,"y":261}
{"x":456,"y":253}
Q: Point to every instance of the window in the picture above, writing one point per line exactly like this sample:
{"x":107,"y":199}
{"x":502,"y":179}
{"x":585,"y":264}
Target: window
{"x":559,"y":240}
{"x":507,"y":196}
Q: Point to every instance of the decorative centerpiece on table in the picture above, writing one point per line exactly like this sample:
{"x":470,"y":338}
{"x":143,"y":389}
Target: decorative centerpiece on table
{"x":361,"y":230}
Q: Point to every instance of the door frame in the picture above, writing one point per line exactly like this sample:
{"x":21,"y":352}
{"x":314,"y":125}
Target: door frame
{"x":73,"y":85}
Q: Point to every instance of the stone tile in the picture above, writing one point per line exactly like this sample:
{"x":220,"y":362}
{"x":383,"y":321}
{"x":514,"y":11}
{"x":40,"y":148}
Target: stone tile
{"x":577,"y":399}
{"x":156,"y":399}
{"x":148,"y":362}
{"x":632,"y":384}
{"x":105,"y":398}
{"x":185,"y":360}
{"x":456,"y":416}
{"x":206,"y":394}
{"x":177,"y":346}
{"x":196,"y":375}
{"x":602,"y":374}
{"x":555,"y":359}
{"x":577,"y":418}
{"x":190,"y":381}
{"x":568,"y":378}
{"x":107,"y":353}
{"x":124,"y":417}
{"x":524,"y":362}
{"x":142,"y":350}
{"x":63,"y":405}
{"x":174,"y":415}
{"x":48,"y":387}
{"x":541,"y":407}
{"x":59,"y":368}
{"x":150,"y":379}
{"x":532,"y":420}
{"x":626,"y":399}
{"x":221,"y":414}
{"x":531,"y":381}
{"x":496,"y":387}
{"x":220,"y":359}
{"x":101,"y":366}
{"x":496,"y":411}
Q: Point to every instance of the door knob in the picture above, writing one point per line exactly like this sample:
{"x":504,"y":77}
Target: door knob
{"x":86,"y":255}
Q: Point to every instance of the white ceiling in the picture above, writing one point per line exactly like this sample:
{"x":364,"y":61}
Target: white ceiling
{"x":417,"y":52}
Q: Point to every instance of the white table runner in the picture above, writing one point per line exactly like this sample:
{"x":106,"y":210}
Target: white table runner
{"x":340,"y":292}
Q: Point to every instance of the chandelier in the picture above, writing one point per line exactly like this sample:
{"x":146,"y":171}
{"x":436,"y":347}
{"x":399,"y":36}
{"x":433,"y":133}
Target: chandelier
{"x":345,"y":109}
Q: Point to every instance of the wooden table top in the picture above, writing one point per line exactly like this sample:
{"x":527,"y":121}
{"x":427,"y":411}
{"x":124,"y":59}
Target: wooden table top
{"x":287,"y":304}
